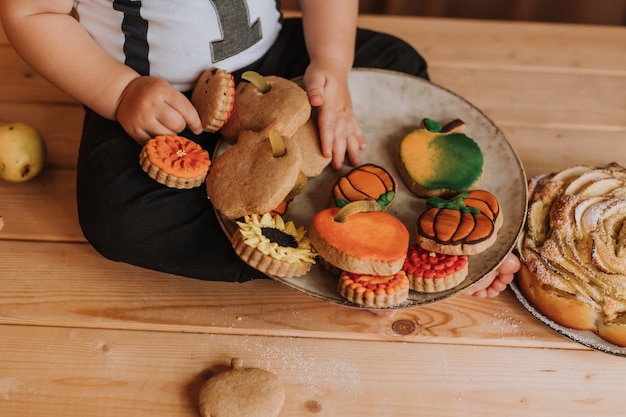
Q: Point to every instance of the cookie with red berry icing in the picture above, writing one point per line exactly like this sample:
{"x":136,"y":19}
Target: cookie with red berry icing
{"x":428,"y":271}
{"x":374,"y":291}
{"x":175,"y":161}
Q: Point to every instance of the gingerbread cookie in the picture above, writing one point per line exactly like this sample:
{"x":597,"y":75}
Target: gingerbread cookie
{"x":266,"y":100}
{"x":242,"y":392}
{"x":214,"y":98}
{"x":251,"y":178}
{"x":308,"y":140}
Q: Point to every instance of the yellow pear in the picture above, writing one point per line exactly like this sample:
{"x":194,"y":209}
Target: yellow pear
{"x":22,"y":152}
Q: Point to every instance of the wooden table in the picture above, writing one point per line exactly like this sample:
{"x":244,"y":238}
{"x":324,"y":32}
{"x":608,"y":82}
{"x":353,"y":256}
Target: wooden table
{"x":83,"y":336}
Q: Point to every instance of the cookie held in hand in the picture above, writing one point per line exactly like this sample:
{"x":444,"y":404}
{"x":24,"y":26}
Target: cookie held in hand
{"x":242,"y":392}
{"x":214,"y":98}
{"x":308,"y":139}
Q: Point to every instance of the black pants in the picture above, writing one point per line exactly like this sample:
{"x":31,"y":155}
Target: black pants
{"x":129,"y":217}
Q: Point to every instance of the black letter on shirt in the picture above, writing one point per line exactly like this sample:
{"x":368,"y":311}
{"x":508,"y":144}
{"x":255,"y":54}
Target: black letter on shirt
{"x":237,"y":33}
{"x":135,"y":30}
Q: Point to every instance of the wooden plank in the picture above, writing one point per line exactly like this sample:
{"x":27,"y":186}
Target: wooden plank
{"x":80,"y":372}
{"x":70,"y":285}
{"x":478,"y":44}
{"x":549,"y":102}
{"x":43,"y":208}
{"x":20,"y":83}
{"x":512,"y":46}
{"x":574,"y":101}
{"x":548,"y":149}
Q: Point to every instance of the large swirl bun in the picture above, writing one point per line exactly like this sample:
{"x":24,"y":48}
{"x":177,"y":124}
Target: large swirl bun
{"x":573,"y":249}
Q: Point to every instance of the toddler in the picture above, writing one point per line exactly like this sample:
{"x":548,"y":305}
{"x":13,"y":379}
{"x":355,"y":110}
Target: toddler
{"x":133,"y":63}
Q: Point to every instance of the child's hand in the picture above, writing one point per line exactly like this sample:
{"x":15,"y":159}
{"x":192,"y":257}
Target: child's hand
{"x":327,"y":87}
{"x":498,"y":280}
{"x":150,"y":106}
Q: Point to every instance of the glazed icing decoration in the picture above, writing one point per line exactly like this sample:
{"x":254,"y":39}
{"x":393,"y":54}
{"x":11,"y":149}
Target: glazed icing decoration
{"x":258,"y":81}
{"x":278,"y":145}
{"x":456,"y":203}
{"x":362,"y":206}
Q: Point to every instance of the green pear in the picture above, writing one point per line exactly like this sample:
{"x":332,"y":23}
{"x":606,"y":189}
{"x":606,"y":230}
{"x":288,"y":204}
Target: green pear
{"x":22,"y":152}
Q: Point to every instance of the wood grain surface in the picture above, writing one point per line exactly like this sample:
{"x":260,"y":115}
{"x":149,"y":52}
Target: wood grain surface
{"x":84,"y":336}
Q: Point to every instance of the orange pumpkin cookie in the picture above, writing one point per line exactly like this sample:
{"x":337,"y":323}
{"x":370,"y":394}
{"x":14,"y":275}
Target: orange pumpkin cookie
{"x":214,"y":98}
{"x":464,"y":225}
{"x":273,"y":247}
{"x":175,"y":161}
{"x":365,"y":182}
{"x":436,"y":160}
{"x":364,"y":242}
{"x":374,"y":291}
{"x":428,"y":271}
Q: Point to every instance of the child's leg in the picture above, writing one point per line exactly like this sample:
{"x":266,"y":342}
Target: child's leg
{"x":129,"y":217}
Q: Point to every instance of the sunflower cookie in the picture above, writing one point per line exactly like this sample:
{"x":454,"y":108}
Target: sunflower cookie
{"x":272,"y":246}
{"x":175,"y":161}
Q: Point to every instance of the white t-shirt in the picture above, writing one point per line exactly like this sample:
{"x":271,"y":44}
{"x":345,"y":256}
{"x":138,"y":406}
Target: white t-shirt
{"x":178,"y":39}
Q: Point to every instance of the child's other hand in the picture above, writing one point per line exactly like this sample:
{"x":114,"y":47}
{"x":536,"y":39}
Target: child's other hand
{"x":497,"y":281}
{"x":150,"y":106}
{"x":327,"y":87}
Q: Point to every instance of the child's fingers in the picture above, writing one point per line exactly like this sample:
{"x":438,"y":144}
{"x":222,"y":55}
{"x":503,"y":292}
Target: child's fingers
{"x":188,"y":114}
{"x":510,"y":265}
